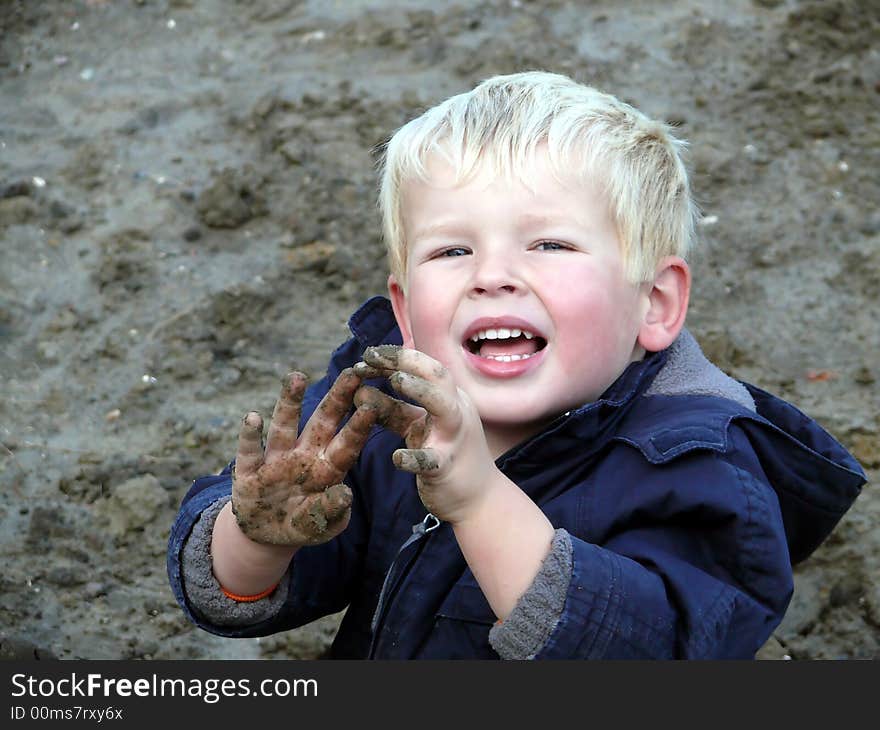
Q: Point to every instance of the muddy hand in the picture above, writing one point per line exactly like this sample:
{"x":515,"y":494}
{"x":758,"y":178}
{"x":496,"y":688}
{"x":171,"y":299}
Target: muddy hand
{"x":446,"y":446}
{"x":292,"y":493}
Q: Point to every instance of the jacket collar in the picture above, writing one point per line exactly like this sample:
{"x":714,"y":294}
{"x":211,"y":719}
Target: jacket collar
{"x":688,"y":372}
{"x":591,"y":425}
{"x":374,"y":324}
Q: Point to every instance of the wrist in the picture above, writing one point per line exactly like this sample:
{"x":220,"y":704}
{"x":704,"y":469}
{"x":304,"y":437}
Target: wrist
{"x":243,"y":566}
{"x":494,"y":491}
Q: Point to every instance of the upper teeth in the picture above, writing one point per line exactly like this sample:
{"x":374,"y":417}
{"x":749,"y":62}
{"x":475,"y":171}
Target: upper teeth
{"x":500,"y":334}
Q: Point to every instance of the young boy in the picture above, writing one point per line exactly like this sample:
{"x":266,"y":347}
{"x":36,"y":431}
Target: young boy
{"x":577,"y":480}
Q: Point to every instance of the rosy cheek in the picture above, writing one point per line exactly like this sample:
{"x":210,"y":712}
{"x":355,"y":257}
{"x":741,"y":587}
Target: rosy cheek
{"x":589,"y":318}
{"x":426,"y":323}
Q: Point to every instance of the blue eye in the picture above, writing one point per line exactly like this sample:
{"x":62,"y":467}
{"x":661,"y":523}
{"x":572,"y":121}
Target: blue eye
{"x":456,"y":251}
{"x":551,"y":246}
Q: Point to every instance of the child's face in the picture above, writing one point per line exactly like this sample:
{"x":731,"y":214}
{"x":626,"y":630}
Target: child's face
{"x":491,"y":257}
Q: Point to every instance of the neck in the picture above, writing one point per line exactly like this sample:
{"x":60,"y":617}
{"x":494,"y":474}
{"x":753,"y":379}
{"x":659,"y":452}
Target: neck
{"x":501,"y":438}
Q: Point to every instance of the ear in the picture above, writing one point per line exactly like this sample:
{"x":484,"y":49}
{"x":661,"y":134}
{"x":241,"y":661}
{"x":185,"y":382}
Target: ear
{"x":398,"y":304}
{"x":667,"y":302}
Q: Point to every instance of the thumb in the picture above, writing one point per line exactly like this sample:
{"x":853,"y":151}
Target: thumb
{"x":418,"y":461}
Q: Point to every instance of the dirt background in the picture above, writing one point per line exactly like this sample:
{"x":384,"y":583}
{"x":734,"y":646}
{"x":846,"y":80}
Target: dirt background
{"x":187,"y":211}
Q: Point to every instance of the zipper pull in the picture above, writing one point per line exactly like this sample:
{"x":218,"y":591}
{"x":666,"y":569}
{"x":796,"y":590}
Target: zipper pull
{"x":420,"y":529}
{"x":426,"y":525}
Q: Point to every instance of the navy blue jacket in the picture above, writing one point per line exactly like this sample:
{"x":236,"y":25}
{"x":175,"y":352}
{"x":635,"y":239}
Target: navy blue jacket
{"x":685,"y":512}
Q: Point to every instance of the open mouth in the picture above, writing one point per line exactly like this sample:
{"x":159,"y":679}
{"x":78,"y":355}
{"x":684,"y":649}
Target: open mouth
{"x":505,"y":344}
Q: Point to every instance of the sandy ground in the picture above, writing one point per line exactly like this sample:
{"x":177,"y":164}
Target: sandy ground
{"x":187,"y":212}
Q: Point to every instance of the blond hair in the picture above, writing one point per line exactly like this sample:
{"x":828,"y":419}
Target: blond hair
{"x":589,"y":135}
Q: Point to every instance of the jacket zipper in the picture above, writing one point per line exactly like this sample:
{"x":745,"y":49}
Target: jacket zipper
{"x":419,"y":530}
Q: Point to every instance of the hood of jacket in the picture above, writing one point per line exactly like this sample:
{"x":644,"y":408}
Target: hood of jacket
{"x":815,"y":478}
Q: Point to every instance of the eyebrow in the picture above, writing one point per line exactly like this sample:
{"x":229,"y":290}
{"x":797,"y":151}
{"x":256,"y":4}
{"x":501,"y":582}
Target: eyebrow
{"x":529,"y":221}
{"x":526,"y":221}
{"x":448,"y":228}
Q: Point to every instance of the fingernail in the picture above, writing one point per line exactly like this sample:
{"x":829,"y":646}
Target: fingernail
{"x":383,"y":355}
{"x":417,"y":461}
{"x":397,"y":378}
{"x":337,"y":494}
{"x":365,"y":394}
{"x":403,"y":460}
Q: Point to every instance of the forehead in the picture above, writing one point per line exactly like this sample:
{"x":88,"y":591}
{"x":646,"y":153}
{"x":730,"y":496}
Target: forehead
{"x":534,"y":180}
{"x":444,"y":166}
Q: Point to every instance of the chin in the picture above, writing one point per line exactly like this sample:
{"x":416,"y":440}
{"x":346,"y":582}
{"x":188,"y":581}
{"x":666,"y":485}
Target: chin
{"x":519,"y":419}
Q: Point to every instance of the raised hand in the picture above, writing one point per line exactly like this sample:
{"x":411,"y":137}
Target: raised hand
{"x":292,"y":493}
{"x":446,"y":446}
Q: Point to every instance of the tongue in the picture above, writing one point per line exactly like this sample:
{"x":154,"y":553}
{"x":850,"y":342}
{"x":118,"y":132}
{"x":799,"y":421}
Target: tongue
{"x":510,"y":346}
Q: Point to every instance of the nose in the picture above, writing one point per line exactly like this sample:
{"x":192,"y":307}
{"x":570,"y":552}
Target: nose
{"x":494,"y":274}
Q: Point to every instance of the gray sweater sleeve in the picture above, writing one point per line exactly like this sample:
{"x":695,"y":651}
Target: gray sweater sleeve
{"x":204,"y":592}
{"x":533,"y":619}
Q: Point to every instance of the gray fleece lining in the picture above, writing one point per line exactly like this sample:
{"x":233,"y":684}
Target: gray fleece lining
{"x":525,"y":631}
{"x":688,"y":372}
{"x":205,"y":595}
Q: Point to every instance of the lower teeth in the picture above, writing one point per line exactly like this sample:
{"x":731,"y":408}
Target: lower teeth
{"x":507,"y":358}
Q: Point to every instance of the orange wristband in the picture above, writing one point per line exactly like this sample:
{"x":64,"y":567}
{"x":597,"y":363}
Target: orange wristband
{"x":248,"y":599}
